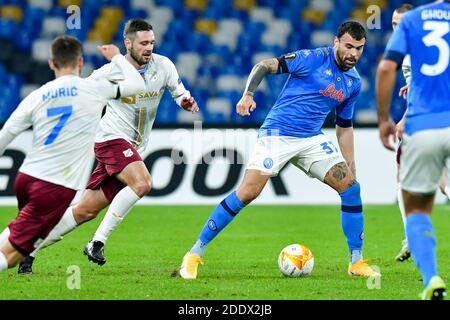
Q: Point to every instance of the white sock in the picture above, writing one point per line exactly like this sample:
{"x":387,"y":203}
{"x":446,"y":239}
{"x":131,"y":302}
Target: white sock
{"x":64,"y":226}
{"x":4,"y":235}
{"x":118,"y":209}
{"x":3,"y":262}
{"x":447,"y":192}
{"x":401,"y":206}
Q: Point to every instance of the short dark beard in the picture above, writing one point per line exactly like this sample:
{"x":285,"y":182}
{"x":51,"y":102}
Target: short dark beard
{"x":140,"y":62}
{"x":340,"y":62}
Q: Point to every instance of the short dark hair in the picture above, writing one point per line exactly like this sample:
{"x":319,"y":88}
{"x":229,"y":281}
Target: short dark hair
{"x":134,"y":25}
{"x":353,"y":28}
{"x":66,"y":51}
{"x":404,"y":7}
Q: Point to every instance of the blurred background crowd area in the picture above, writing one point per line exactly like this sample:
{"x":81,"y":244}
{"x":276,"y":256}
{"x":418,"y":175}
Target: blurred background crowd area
{"x":214,"y":44}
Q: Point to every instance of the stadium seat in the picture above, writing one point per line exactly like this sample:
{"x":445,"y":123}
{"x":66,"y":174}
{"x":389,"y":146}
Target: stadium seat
{"x":199,"y":5}
{"x":206,"y":26}
{"x":323,"y":5}
{"x":53,"y":26}
{"x":42,"y":4}
{"x":142,"y":4}
{"x":187,"y":65}
{"x":218,"y":55}
{"x":316,"y":16}
{"x":230,"y":83}
{"x":11,"y":12}
{"x":262,"y":14}
{"x":219,"y":105}
{"x":67,"y":3}
{"x":322,"y":38}
{"x":244,"y":4}
{"x":8,"y":28}
{"x":40,"y":50}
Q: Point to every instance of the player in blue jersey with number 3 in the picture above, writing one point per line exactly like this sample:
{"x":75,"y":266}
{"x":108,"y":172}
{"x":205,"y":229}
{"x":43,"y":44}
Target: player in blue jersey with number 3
{"x":320,"y":80}
{"x":424,"y":34}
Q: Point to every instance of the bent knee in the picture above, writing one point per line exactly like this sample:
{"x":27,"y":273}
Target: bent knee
{"x":247,"y":195}
{"x":141,"y":188}
{"x":83,"y":214}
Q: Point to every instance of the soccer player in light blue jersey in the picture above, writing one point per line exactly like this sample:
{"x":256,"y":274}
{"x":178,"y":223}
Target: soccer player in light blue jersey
{"x":424,"y":34}
{"x":319,"y":80}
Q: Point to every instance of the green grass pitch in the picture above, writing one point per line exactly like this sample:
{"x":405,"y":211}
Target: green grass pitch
{"x":145,"y":252}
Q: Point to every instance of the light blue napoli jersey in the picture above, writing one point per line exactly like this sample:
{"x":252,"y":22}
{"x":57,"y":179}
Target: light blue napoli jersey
{"x":315,"y":86}
{"x":424,"y":33}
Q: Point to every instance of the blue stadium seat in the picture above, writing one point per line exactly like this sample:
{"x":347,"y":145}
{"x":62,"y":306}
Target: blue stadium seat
{"x":136,"y":13}
{"x":23,"y":41}
{"x":8,"y":28}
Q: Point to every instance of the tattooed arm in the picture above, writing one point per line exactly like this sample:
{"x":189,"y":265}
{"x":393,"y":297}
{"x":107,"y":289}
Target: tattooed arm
{"x":346,"y":144}
{"x":259,"y":71}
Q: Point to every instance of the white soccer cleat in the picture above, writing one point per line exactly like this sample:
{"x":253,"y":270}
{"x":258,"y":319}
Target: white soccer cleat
{"x":404,"y":253}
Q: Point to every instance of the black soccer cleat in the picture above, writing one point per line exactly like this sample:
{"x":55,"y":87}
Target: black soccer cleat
{"x":26,"y":265}
{"x":94,"y":252}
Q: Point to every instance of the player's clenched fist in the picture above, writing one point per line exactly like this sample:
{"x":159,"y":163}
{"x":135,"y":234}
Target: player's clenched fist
{"x":245,"y":105}
{"x":109,"y":51}
{"x":189,"y":104}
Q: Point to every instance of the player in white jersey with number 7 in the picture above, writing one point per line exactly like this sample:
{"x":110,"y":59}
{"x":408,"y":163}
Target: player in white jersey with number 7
{"x":64,"y":114}
{"x":121,"y":177}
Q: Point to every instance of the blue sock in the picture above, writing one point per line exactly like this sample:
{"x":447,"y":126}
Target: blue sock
{"x":422,"y":244}
{"x":222,"y":215}
{"x":352,"y":221}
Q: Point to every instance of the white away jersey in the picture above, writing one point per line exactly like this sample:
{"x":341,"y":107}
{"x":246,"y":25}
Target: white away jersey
{"x":64,"y":114}
{"x":406,"y":68}
{"x":131,"y":118}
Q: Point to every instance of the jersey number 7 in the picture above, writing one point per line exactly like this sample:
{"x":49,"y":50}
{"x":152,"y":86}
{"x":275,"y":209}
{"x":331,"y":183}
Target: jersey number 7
{"x":65,"y":112}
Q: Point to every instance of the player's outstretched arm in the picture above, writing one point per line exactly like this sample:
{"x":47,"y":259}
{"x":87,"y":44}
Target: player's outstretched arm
{"x":385,"y":82}
{"x":133,"y":82}
{"x":259,"y":71}
{"x":19,"y":121}
{"x":346,"y":144}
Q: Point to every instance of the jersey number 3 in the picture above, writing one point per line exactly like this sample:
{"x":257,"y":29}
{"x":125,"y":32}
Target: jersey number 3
{"x":435,"y":38}
{"x":65,"y":112}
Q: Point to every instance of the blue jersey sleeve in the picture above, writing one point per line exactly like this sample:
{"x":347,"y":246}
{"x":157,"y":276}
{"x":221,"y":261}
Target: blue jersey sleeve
{"x":294,"y":62}
{"x":344,"y":112}
{"x":397,"y":46}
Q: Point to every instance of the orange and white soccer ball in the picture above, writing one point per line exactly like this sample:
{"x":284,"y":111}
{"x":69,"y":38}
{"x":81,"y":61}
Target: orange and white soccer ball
{"x":296,"y":260}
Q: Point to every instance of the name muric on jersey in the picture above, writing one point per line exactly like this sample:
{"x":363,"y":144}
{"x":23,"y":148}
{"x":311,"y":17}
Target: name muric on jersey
{"x":60,"y":92}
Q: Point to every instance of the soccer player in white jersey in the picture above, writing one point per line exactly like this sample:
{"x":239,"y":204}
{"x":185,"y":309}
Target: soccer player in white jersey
{"x":64,"y":114}
{"x":404,"y":253}
{"x":121,"y":177}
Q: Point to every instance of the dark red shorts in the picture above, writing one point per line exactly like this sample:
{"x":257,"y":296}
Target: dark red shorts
{"x":112,"y":156}
{"x":41,"y":205}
